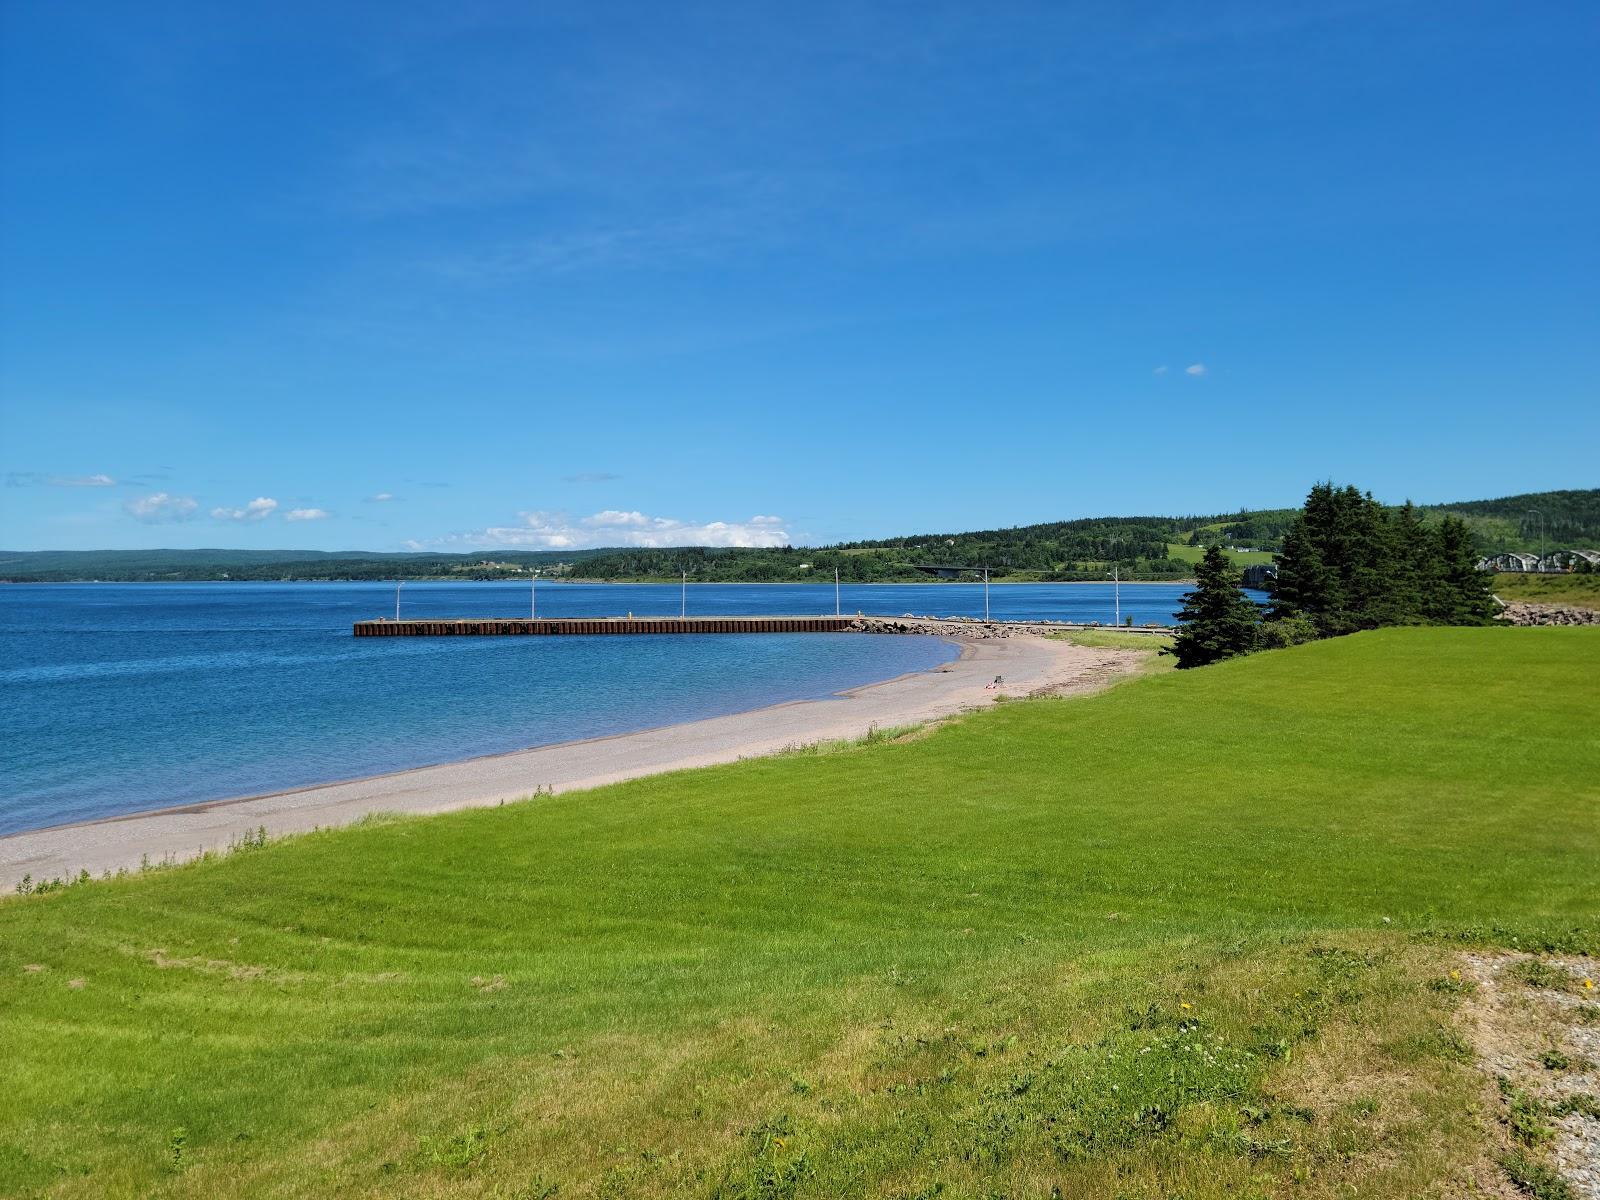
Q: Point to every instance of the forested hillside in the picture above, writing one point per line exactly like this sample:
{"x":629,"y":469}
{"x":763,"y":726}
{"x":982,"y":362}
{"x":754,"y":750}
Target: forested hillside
{"x":1537,"y":520}
{"x":1140,"y":547}
{"x":157,"y":566}
{"x":1152,"y":547}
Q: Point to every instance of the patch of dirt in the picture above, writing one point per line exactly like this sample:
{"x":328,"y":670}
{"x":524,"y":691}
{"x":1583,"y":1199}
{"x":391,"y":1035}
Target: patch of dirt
{"x":1536,"y":1030}
{"x":1107,"y":667}
{"x":159,"y":959}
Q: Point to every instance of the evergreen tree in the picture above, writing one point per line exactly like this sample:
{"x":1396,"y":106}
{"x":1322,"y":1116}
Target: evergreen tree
{"x":1412,"y":559}
{"x":1459,"y":592}
{"x":1368,"y":545}
{"x":1307,"y":582}
{"x":1217,"y":620}
{"x":1338,"y":562}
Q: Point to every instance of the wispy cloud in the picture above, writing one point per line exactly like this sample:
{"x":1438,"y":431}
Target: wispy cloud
{"x":380,"y":498}
{"x":40,"y":479}
{"x":306,"y":514}
{"x":1195,"y":369}
{"x":159,"y":507}
{"x":615,"y":527}
{"x":1159,"y":371}
{"x":590,"y":477}
{"x":258,"y":509}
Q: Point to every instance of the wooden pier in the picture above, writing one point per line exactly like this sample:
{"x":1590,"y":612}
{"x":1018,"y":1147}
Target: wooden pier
{"x":548,"y":626}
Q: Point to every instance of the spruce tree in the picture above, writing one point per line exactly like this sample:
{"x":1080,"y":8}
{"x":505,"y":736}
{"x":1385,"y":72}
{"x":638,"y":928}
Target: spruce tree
{"x":1306,"y":582}
{"x":1411,"y":554}
{"x":1335,"y":563}
{"x":1368,"y":545}
{"x":1217,"y":620}
{"x":1459,"y":592}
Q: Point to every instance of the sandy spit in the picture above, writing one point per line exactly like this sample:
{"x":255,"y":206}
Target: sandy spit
{"x":1030,"y":665}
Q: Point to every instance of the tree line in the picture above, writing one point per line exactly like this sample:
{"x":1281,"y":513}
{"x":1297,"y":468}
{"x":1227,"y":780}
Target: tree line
{"x":1348,"y":563}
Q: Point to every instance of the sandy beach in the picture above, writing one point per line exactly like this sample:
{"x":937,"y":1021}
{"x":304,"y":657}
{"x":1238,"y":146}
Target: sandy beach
{"x":1029,"y":665}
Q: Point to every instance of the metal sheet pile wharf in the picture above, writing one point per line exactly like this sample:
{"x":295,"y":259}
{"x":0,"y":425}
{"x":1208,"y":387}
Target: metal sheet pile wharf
{"x":548,"y":627}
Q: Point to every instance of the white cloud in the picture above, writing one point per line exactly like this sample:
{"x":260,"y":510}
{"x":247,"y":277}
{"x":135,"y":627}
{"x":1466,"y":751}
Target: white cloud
{"x":561,"y":531}
{"x":258,"y":509}
{"x":1195,"y":369}
{"x":380,"y":498}
{"x":1159,"y":371}
{"x":590,"y":477}
{"x":159,"y":506}
{"x":306,"y":514}
{"x":36,"y":478}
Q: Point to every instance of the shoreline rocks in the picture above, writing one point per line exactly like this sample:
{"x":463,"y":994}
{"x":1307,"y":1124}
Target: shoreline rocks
{"x":1523,"y":613}
{"x":972,"y":627}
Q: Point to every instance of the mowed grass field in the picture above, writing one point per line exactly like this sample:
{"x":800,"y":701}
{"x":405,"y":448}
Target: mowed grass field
{"x":1188,"y":937}
{"x":1580,"y":591}
{"x":1241,"y":558}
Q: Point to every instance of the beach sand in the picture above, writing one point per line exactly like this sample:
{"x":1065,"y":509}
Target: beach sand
{"x":1030,"y":666}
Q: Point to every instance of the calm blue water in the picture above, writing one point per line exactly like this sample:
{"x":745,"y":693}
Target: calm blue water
{"x":122,"y":697}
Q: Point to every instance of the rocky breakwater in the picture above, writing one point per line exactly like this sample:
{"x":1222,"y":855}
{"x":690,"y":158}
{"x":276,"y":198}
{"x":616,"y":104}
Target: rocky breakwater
{"x":972,"y":627}
{"x":1521,"y":613}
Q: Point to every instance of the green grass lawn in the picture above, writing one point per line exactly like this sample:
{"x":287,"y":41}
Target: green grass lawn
{"x":1241,"y":558}
{"x":1190,"y":936}
{"x":1580,"y":591}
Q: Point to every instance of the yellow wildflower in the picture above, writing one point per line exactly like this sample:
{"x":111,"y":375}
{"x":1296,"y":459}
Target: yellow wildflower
{"x":1185,"y":1004}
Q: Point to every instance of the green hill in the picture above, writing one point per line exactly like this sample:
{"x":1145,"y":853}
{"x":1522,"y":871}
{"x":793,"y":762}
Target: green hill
{"x":1151,"y":547}
{"x":1567,"y":519}
{"x":1083,"y":549}
{"x":152,"y":566}
{"x":1193,"y":936}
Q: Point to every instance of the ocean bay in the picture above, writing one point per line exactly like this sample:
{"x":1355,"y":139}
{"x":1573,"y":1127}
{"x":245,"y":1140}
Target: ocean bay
{"x":127,"y":697}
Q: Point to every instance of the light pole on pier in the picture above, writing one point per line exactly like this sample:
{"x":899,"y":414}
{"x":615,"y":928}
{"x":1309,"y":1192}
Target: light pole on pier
{"x":683,"y":596}
{"x":836,"y":611}
{"x":1116,"y":584}
{"x":398,"y":585}
{"x":986,"y":593}
{"x":533,"y":597}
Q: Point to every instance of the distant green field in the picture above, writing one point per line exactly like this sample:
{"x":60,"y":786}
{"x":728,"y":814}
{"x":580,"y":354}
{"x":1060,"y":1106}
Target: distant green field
{"x":1580,"y":591}
{"x":1190,"y":936}
{"x":1192,"y":554}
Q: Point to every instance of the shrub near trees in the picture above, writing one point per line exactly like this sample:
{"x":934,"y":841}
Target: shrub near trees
{"x":1347,"y":564}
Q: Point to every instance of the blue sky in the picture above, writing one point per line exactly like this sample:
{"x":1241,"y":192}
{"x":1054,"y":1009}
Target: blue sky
{"x":544,"y":274}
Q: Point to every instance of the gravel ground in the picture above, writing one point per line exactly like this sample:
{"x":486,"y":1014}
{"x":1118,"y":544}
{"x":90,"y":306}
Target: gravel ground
{"x":1545,"y":1040}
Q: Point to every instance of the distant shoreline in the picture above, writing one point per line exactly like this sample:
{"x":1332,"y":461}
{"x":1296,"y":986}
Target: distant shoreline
{"x":552,"y":582}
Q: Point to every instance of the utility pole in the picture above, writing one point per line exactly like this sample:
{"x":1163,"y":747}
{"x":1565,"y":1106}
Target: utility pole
{"x":986,"y":593}
{"x":1116,"y":584}
{"x":398,"y":585}
{"x":533,"y":597}
{"x":836,"y":611}
{"x":683,"y":595}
